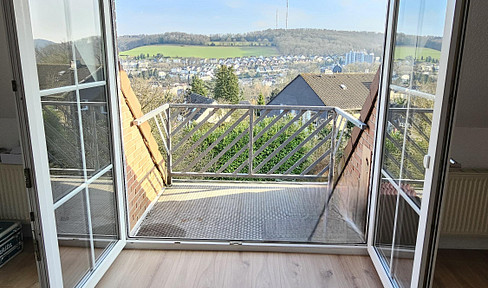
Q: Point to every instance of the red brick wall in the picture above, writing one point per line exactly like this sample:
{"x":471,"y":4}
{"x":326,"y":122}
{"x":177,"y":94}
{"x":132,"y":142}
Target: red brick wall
{"x":145,"y":175}
{"x":352,"y":190}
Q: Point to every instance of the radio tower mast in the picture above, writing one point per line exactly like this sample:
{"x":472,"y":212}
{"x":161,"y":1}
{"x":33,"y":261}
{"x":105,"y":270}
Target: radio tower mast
{"x":286,"y":14}
{"x":276,"y":18}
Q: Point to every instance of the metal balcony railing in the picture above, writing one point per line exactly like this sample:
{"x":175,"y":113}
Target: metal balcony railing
{"x":407,"y":135}
{"x":250,"y":141}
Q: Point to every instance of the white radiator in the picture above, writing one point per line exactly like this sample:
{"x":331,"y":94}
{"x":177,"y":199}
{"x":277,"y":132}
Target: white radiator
{"x":465,"y":209}
{"x":13,"y":194}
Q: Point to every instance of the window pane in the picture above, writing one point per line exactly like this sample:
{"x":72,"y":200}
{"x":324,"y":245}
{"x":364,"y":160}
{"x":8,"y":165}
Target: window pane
{"x":417,"y":134}
{"x":97,"y":94}
{"x":73,"y":238}
{"x":405,"y":239}
{"x":96,"y":129}
{"x":69,"y":51}
{"x":87,"y":37}
{"x":61,"y":125}
{"x":387,"y":202}
{"x":410,"y":104}
{"x":407,"y":141}
{"x":103,"y":212}
{"x":418,"y":44}
{"x":411,"y":99}
{"x":54,"y":52}
{"x":392,"y":151}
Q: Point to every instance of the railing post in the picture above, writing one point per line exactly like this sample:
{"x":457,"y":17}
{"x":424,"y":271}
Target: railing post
{"x":332,"y":153}
{"x":251,"y":138}
{"x":169,"y":168}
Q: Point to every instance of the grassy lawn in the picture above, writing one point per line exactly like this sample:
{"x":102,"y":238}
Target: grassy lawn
{"x":403,"y":51}
{"x":201,"y":51}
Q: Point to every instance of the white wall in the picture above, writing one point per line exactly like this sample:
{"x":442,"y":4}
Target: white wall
{"x":9,"y":135}
{"x":469,"y":144}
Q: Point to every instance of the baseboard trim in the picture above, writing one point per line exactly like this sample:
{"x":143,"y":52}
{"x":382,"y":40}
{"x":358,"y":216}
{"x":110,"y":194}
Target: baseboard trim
{"x":471,"y":242}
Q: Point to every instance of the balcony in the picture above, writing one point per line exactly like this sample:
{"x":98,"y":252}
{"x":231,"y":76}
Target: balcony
{"x":249,"y":173}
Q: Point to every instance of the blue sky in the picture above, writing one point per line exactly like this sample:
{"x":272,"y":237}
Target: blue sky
{"x":432,"y":22}
{"x":237,"y":16}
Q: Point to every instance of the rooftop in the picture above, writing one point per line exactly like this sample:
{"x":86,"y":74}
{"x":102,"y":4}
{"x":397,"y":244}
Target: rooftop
{"x":345,"y":90}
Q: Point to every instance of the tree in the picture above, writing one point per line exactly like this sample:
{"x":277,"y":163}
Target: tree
{"x":261,"y":100}
{"x":198,"y":86}
{"x":151,"y":97}
{"x":226,"y":85}
{"x":273,"y":94}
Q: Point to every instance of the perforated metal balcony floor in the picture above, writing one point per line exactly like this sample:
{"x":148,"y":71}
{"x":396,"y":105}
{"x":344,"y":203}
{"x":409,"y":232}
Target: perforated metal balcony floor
{"x":247,"y":211}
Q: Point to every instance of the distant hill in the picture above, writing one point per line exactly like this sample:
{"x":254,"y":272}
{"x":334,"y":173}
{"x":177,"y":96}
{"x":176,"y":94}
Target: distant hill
{"x":286,"y":42}
{"x":431,"y":42}
{"x":41,"y":43}
{"x":291,"y":41}
{"x":129,"y":42}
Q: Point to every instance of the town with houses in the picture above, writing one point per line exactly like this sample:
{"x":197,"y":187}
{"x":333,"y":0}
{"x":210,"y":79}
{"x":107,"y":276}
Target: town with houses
{"x":175,"y":74}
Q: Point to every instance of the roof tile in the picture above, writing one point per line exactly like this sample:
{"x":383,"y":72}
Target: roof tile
{"x":345,"y":90}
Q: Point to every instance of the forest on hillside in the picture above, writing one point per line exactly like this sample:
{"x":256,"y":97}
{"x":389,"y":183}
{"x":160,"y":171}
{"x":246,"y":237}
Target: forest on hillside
{"x":287,"y":42}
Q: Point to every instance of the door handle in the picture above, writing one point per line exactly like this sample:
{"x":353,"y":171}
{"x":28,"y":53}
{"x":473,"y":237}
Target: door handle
{"x":427,"y":161}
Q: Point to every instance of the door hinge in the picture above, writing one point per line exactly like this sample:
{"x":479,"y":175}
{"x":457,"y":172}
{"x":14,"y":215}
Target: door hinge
{"x":14,"y":85}
{"x":27,"y":178}
{"x":37,"y":251}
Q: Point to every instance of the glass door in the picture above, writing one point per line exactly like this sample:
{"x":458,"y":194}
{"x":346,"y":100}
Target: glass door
{"x":67,"y":58}
{"x":414,"y":103}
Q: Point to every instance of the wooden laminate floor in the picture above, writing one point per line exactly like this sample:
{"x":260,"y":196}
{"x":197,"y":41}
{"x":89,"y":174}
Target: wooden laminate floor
{"x":21,"y":271}
{"x":156,"y":268}
{"x":461,"y":268}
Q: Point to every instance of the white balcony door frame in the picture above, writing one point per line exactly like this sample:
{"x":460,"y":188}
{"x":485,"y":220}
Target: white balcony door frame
{"x":36,"y":158}
{"x":437,"y":166}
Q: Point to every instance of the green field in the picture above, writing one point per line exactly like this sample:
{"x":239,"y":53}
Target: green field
{"x":188,"y":51}
{"x":403,"y":51}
